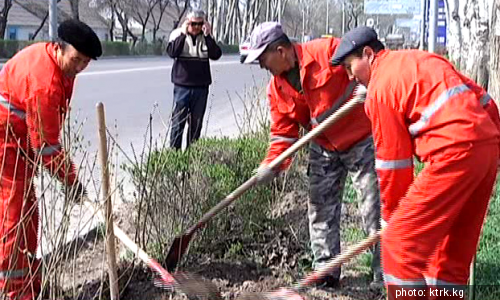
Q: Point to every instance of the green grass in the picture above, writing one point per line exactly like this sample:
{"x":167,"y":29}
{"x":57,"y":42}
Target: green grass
{"x":488,"y":256}
{"x":352,"y":234}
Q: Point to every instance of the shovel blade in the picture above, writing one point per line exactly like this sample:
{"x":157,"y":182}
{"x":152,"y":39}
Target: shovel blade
{"x":281,"y":294}
{"x":177,"y":250}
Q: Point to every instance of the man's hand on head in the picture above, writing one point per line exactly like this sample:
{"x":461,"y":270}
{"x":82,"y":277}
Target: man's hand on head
{"x":207,"y":29}
{"x":184,"y":27}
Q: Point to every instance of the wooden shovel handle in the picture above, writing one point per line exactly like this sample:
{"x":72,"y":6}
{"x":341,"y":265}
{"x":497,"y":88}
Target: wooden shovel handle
{"x":341,"y":112}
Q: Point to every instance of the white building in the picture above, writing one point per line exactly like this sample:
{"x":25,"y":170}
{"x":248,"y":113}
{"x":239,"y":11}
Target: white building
{"x":26,"y":16}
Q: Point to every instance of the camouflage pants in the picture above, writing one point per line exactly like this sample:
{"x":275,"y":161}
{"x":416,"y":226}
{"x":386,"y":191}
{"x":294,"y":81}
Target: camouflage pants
{"x":327,"y":176}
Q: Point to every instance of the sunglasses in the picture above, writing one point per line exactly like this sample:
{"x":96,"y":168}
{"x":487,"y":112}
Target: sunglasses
{"x":196,"y":23}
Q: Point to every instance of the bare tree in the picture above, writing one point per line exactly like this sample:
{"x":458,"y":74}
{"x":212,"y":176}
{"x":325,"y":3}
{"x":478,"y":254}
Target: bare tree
{"x":157,"y":16}
{"x":277,"y":8}
{"x":75,"y":11}
{"x":141,"y":10}
{"x":4,"y":13}
{"x":181,"y":7}
{"x":44,"y":20}
{"x":468,"y":41}
{"x":354,"y":11}
{"x":112,"y":25}
{"x":121,"y":13}
{"x":494,"y":65}
{"x":104,"y":8}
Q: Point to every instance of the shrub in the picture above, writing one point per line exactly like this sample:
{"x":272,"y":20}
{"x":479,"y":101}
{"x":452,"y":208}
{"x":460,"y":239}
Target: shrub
{"x":115,"y":48}
{"x":228,"y":49}
{"x":177,"y":187}
{"x":10,"y":47}
{"x":145,"y":48}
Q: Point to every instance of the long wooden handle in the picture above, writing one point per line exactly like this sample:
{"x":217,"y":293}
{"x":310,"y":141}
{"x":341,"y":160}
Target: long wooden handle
{"x":224,"y":203}
{"x":143,"y":256}
{"x":133,"y":247}
{"x":341,"y":112}
{"x":113,"y":230}
{"x":110,"y":236}
{"x":338,"y":261}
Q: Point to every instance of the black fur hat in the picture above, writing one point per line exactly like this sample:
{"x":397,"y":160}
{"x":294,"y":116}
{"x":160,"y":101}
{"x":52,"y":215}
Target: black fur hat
{"x":80,"y":36}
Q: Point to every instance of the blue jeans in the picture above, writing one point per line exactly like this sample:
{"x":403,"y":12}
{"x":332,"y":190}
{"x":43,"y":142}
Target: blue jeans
{"x":190,"y":106}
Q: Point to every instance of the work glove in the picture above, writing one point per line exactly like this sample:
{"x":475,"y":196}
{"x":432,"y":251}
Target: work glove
{"x":265,"y":175}
{"x":383,"y":223}
{"x":76,"y":193}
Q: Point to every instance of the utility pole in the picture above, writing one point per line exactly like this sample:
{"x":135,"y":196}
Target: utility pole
{"x":433,"y":16}
{"x":268,"y":10}
{"x":343,"y":17}
{"x":52,"y":20}
{"x":279,"y":11}
{"x":423,"y":10}
{"x":303,"y":24}
{"x":327,"y":16}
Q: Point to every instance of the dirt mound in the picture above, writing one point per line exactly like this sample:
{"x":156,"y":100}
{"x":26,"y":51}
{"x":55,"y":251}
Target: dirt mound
{"x":277,"y":258}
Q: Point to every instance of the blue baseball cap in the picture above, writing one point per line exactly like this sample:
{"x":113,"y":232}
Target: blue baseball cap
{"x":353,"y":40}
{"x":263,"y":35}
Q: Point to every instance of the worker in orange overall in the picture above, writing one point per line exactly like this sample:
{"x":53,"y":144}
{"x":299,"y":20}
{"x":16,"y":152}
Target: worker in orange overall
{"x":303,"y":92}
{"x":35,"y":90}
{"x":420,"y":106}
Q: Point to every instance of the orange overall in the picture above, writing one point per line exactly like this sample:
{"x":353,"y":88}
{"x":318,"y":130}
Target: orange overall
{"x":421,"y":106}
{"x":34,"y":96}
{"x":325,"y":89}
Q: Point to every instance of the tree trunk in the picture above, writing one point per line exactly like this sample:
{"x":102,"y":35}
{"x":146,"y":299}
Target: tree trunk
{"x":217,"y":20}
{"x":4,"y":13}
{"x":162,"y":5}
{"x":40,"y":26}
{"x":228,"y":21}
{"x":181,"y":12}
{"x":468,"y":38}
{"x":494,"y":65}
{"x":37,"y":31}
{"x":75,"y":11}
{"x":210,"y":12}
{"x":112,"y":26}
{"x":268,"y":10}
{"x":123,"y":22}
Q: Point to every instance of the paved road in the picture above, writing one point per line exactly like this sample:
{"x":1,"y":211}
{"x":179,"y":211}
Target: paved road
{"x":132,"y":88}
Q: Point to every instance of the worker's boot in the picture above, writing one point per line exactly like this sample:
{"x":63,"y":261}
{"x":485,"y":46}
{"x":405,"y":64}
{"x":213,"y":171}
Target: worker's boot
{"x":378,"y":276}
{"x":328,"y":282}
{"x":378,"y":281}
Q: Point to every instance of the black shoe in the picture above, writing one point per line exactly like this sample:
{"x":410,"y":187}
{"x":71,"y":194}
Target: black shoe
{"x":328,"y":282}
{"x":378,"y":281}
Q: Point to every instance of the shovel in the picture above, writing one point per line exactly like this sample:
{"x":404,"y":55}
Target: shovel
{"x":309,"y":280}
{"x":190,"y":284}
{"x":181,"y":243}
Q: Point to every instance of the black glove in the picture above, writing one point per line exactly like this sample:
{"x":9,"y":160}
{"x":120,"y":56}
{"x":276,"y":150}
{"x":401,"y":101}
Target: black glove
{"x":76,"y":192}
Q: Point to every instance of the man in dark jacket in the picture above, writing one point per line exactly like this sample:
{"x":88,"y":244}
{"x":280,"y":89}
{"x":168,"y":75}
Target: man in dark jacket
{"x":191,"y":45}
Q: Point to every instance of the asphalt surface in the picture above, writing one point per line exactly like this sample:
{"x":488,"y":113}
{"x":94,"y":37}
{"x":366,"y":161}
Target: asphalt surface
{"x":135,"y":92}
{"x":135,"y":89}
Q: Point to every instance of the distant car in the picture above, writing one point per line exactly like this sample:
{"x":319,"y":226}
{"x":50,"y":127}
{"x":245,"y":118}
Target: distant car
{"x":244,"y":49}
{"x":246,"y":45}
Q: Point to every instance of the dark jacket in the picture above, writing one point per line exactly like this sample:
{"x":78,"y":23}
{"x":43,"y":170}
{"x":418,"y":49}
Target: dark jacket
{"x":192,"y":53}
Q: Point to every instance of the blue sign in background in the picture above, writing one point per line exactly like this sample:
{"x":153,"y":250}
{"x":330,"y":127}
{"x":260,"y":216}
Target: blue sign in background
{"x":392,"y":7}
{"x":441,"y":26}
